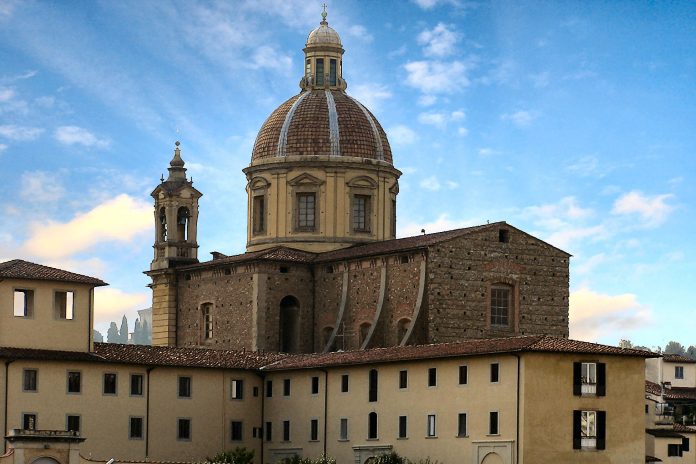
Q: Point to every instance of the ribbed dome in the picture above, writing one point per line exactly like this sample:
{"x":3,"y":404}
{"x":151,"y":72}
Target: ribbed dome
{"x":323,"y":123}
{"x":323,"y":34}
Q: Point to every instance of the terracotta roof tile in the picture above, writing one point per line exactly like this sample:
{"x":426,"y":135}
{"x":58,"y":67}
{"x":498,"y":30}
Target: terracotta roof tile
{"x":676,"y":358}
{"x":663,"y":433}
{"x":680,"y":428}
{"x":680,"y":393}
{"x":46,"y":355}
{"x":19,"y":269}
{"x":538,"y":343}
{"x":653,"y":388}
{"x":652,"y":459}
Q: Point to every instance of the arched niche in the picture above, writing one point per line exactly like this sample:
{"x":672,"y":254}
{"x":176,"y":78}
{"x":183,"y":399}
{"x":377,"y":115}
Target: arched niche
{"x":289,"y":328}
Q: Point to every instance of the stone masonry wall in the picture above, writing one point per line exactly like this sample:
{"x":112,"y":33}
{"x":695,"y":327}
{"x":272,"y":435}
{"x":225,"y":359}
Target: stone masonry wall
{"x":462,"y":270}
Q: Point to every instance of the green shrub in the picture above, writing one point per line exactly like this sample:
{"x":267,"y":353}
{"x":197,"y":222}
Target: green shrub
{"x":239,"y":455}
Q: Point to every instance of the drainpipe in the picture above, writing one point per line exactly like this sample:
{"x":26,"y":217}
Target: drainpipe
{"x":262,"y":394}
{"x":326,"y":405}
{"x":90,"y":328}
{"x":517,"y":440}
{"x":4,"y":428}
{"x":147,"y":414}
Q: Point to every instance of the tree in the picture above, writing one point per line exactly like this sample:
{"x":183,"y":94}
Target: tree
{"x":112,"y":334}
{"x":147,"y":333}
{"x":675,"y":348}
{"x":239,"y":455}
{"x":691,"y":352}
{"x":97,"y":336}
{"x":123,"y":332}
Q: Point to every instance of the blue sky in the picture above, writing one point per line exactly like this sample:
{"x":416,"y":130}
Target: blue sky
{"x":573,"y":121}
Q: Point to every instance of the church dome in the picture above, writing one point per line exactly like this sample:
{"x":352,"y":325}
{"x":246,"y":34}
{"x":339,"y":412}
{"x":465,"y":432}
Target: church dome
{"x":322,"y":123}
{"x":324,"y":34}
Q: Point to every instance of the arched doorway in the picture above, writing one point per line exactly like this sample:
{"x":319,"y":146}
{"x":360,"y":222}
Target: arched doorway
{"x":289,"y":331}
{"x":492,"y":458}
{"x":45,"y":460}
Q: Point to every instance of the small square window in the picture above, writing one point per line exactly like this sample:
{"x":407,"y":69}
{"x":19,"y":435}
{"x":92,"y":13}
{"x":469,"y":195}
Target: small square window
{"x":236,"y":431}
{"x":678,"y":372}
{"x":24,"y":303}
{"x":110,"y":382}
{"x":503,"y":235}
{"x":236,"y":389}
{"x":315,"y":385}
{"x":183,"y":429}
{"x":64,"y":305}
{"x":136,"y":384}
{"x":30,"y":380}
{"x":72,"y":423}
{"x":135,"y":428}
{"x":495,"y":372}
{"x":74,"y":382}
{"x":674,"y":450}
{"x":184,"y":387}
{"x":344,"y":383}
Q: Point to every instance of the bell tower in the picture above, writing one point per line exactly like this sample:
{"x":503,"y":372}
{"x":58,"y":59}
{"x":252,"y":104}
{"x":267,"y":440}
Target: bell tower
{"x":176,"y":219}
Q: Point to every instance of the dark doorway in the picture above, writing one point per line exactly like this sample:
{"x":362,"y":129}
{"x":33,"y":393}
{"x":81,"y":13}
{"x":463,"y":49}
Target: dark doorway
{"x":289,"y":333}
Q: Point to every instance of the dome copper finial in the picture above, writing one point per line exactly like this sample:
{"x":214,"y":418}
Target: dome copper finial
{"x":324,"y":14}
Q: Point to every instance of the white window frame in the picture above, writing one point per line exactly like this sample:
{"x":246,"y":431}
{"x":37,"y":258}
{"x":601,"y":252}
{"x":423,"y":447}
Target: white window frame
{"x":588,"y":429}
{"x":431,"y":426}
{"x":588,"y":378}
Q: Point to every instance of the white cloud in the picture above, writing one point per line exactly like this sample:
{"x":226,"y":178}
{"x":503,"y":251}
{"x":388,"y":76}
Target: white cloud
{"x":594,"y":315}
{"x":370,"y":95}
{"x":541,"y":79}
{"x":74,"y":135}
{"x":41,"y":187}
{"x":439,"y":41}
{"x":487,"y":151}
{"x":3,"y":147}
{"x":360,"y":32}
{"x":563,"y":222}
{"x":432,"y":119}
{"x":20,"y":133}
{"x":462,"y":131}
{"x":433,"y":183}
{"x":457,"y":115}
{"x":429,"y":4}
{"x":586,"y":266}
{"x":401,"y":135}
{"x":442,"y":223}
{"x":120,"y":219}
{"x":269,"y":58}
{"x":433,"y":77}
{"x":427,"y":100}
{"x":568,"y":236}
{"x":520,"y":118}
{"x":653,"y":210}
{"x":110,"y":304}
{"x":6,"y":94}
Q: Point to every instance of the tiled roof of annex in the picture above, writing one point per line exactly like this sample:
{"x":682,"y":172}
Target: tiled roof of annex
{"x":383,"y":247}
{"x":539,"y":343}
{"x":20,"y":269}
{"x":677,"y":358}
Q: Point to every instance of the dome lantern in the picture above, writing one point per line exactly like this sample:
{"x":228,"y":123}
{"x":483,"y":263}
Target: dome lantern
{"x":323,"y":68}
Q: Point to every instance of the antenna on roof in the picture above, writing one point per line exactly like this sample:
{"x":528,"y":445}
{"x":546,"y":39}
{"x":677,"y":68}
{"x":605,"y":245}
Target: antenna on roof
{"x":423,"y":231}
{"x":488,"y":221}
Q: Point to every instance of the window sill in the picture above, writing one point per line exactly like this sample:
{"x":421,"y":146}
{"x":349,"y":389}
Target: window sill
{"x":461,"y":436}
{"x":430,"y":438}
{"x":343,"y":439}
{"x":372,"y":439}
{"x":402,"y":438}
{"x":492,"y":434}
{"x":313,"y":441}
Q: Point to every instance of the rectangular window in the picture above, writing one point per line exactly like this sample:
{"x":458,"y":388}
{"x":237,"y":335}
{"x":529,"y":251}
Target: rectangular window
{"x":207,"y":310}
{"x":343,"y":429}
{"x":403,"y":426}
{"x":461,"y":424}
{"x":135,"y":428}
{"x":64,"y":305}
{"x":236,"y":389}
{"x":674,"y":450}
{"x":306,"y":207}
{"x":403,"y":379}
{"x":236,"y":431}
{"x":361,"y":213}
{"x":286,"y":387}
{"x":393,"y":219}
{"x":308,"y":68}
{"x":110,"y":381}
{"x":332,"y":72}
{"x":431,"y":432}
{"x":432,"y":377}
{"x":589,"y":429}
{"x":72,"y":423}
{"x":255,"y":391}
{"x":678,"y":372}
{"x":286,"y":430}
{"x":259,"y":214}
{"x":29,"y":421}
{"x":184,"y":387}
{"x":320,"y":71}
{"x":30,"y":380}
{"x":344,"y":383}
{"x":463,"y":375}
{"x":495,"y":372}
{"x":74,"y":382}
{"x":269,"y":388}
{"x":314,"y":430}
{"x":183,"y":429}
{"x":493,"y":423}
{"x":136,"y":384}
{"x":500,"y":306}
{"x":685,"y":444}
{"x":269,"y":431}
{"x":24,"y":303}
{"x":315,"y":385}
{"x":372,"y":386}
{"x":589,"y":378}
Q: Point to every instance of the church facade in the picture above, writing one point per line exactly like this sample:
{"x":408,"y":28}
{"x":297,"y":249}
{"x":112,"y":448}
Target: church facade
{"x":323,"y":269}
